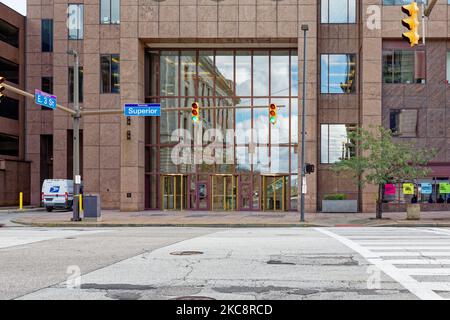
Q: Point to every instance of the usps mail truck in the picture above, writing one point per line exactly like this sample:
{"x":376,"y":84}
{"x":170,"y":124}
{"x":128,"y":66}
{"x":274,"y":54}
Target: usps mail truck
{"x":57,"y":194}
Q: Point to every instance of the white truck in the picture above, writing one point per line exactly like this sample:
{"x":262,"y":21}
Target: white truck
{"x":57,"y":194}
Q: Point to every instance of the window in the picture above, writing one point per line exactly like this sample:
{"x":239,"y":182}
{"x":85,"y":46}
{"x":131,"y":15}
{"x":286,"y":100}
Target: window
{"x":338,"y":72}
{"x":399,"y":2}
{"x":9,"y":145}
{"x":9,"y":33}
{"x":110,"y":12}
{"x":403,"y":122}
{"x":110,"y":73}
{"x":338,"y":11}
{"x":80,"y":81}
{"x":404,"y":66}
{"x":75,"y":21}
{"x":10,"y":70}
{"x":9,"y":108}
{"x":47,"y":35}
{"x":335,"y":143}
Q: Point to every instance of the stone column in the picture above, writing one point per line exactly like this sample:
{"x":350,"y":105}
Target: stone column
{"x":371,"y":66}
{"x":132,"y":171}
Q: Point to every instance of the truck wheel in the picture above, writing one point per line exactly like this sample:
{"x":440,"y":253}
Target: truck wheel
{"x":49,"y":209}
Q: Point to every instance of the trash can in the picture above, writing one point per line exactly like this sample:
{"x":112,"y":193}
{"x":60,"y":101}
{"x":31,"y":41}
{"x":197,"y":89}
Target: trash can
{"x":92,"y":207}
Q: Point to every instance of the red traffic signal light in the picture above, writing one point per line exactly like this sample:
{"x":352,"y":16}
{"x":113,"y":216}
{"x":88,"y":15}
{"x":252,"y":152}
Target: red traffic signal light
{"x":195,"y":112}
{"x":273,"y":113}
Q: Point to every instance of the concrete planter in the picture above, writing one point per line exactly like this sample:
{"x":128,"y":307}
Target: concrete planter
{"x":340,"y":206}
{"x":413,"y":211}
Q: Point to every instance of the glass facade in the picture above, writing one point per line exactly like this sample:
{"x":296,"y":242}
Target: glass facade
{"x":338,"y":73}
{"x":110,"y":73}
{"x":234,"y":138}
{"x":338,"y":11}
{"x":404,"y":66}
{"x":75,"y":21}
{"x":47,"y":35}
{"x":110,"y":11}
{"x":335,"y":144}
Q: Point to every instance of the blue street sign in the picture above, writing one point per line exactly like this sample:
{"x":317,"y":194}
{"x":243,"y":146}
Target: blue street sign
{"x":142,"y":110}
{"x":45,"y":99}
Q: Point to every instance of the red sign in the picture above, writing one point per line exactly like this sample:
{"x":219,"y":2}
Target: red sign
{"x":389,"y":189}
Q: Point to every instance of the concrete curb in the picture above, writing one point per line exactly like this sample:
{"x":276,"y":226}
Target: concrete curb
{"x":221,"y":225}
{"x":22,"y":211}
{"x":179,"y":225}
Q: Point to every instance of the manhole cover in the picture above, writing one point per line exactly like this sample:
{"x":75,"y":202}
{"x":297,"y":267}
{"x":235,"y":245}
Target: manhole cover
{"x":193,"y":298}
{"x":185,"y":253}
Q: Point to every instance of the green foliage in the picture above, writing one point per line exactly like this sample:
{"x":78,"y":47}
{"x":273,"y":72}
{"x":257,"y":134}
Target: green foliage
{"x":338,"y":196}
{"x":382,"y":160}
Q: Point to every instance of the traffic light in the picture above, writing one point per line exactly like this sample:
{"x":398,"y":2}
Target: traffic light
{"x":273,"y":113}
{"x":195,"y":112}
{"x":309,"y":168}
{"x":411,"y":23}
{"x":2,"y":88}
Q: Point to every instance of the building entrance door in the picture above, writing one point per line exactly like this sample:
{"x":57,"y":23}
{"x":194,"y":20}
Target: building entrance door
{"x":274,"y":193}
{"x":203,"y":200}
{"x":174,"y":192}
{"x":223,"y":192}
{"x":245,"y":193}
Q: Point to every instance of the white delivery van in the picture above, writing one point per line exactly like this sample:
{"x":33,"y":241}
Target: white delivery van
{"x":57,"y":194}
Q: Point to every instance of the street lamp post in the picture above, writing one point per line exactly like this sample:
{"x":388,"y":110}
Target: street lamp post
{"x":301,"y":192}
{"x":76,"y":137}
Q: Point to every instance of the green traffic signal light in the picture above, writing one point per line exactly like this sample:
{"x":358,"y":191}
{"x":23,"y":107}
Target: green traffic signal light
{"x":273,"y":119}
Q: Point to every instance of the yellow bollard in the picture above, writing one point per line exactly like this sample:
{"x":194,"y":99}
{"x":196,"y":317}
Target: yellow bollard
{"x":80,"y":205}
{"x":21,"y":201}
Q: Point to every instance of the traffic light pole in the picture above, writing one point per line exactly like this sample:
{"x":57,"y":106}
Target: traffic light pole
{"x":424,"y":36}
{"x":76,"y":138}
{"x":76,"y":114}
{"x":302,"y":167}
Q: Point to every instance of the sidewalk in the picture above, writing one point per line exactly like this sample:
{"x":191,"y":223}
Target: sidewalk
{"x":17,"y":210}
{"x":111,"y":218}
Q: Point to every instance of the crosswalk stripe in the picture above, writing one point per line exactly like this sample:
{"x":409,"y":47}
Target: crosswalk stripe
{"x":426,"y":272}
{"x":406,"y":247}
{"x":389,"y":269}
{"x":411,"y":243}
{"x":438,"y":286}
{"x":414,"y":254}
{"x":420,"y":261}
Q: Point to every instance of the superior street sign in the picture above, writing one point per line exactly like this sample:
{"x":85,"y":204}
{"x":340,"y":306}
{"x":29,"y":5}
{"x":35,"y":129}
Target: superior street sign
{"x":44,"y":99}
{"x":142,"y":110}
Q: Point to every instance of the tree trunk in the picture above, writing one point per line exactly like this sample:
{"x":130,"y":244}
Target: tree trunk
{"x":380,"y":202}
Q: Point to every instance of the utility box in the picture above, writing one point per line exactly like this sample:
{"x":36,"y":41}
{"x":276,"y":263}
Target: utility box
{"x":92,"y":207}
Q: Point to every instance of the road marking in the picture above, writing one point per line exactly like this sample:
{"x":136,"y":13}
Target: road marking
{"x":413,"y":254}
{"x":11,"y":238}
{"x":419,"y":261}
{"x":406,"y":247}
{"x":398,"y":275}
{"x":401,"y":243}
{"x":427,"y":272}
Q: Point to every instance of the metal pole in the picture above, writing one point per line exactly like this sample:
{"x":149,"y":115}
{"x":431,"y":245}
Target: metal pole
{"x":424,"y":36}
{"x":76,"y":138}
{"x":302,"y":168}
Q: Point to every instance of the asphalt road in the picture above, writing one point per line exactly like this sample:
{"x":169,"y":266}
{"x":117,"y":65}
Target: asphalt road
{"x":241,"y":263}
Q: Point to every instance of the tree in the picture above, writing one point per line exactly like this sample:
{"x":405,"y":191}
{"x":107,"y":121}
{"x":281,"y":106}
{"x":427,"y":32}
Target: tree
{"x":382,"y":160}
